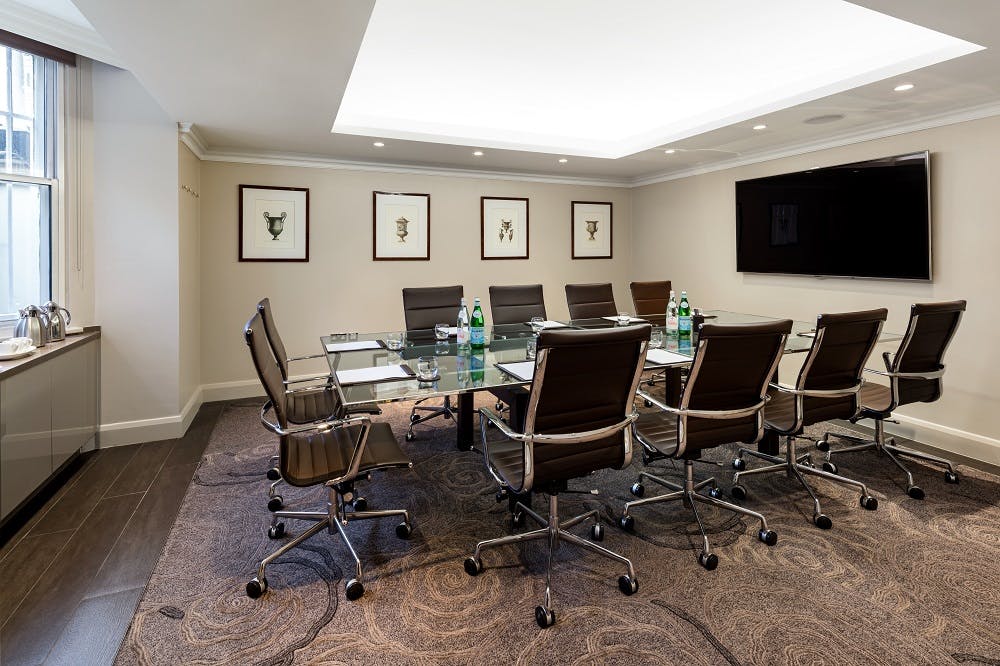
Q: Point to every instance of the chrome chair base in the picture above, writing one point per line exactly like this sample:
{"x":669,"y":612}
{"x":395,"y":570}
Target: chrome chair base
{"x":795,"y":465}
{"x":334,"y":519}
{"x":688,"y":494}
{"x":445,"y":410}
{"x":891,"y":450}
{"x":553,"y":530}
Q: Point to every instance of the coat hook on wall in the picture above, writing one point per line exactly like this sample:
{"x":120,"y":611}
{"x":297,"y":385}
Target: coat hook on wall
{"x":190,"y":191}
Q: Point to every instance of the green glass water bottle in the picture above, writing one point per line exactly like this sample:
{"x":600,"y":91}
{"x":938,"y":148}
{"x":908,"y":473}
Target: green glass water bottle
{"x":477,"y":326}
{"x":684,"y":316}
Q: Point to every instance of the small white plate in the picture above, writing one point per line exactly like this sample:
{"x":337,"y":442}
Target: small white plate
{"x":74,"y":330}
{"x":21,"y":354}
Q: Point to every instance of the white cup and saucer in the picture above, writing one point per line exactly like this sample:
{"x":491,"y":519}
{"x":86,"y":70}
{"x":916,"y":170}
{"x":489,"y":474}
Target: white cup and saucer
{"x":15,"y":348}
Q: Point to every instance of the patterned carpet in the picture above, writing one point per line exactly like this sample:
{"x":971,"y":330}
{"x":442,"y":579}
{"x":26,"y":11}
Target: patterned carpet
{"x":911,"y":583}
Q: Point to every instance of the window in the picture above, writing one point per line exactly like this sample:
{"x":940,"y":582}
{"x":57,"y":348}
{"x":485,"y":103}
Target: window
{"x":28,"y":111}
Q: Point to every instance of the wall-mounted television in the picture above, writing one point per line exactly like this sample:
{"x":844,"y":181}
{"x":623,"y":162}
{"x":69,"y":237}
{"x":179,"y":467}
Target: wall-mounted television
{"x":865,"y":220}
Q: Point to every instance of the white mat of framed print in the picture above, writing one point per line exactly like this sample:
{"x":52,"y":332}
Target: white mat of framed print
{"x":591,"y":222}
{"x":401,"y":226}
{"x":504,"y":227}
{"x":274,"y":223}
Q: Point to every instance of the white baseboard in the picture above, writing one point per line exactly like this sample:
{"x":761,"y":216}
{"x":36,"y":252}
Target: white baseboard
{"x":250,"y":388}
{"x":124,"y":433}
{"x":968,"y":444}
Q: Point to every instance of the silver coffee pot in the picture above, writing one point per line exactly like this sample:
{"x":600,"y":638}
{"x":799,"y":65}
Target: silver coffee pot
{"x":34,"y":324}
{"x":57,"y":323}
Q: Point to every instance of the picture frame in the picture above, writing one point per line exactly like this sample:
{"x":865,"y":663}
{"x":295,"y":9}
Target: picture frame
{"x":401,"y":226}
{"x":503,"y":227}
{"x":273,"y":223}
{"x":592,"y":224}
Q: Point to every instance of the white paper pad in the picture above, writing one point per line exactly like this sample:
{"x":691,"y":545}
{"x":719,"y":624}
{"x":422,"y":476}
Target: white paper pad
{"x":548,"y":323}
{"x":377,"y":374}
{"x":664,"y":357}
{"x":631,"y":320}
{"x":523,"y":370}
{"x":352,"y":346}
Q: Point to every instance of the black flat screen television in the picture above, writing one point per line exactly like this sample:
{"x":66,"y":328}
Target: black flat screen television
{"x":867,"y":220}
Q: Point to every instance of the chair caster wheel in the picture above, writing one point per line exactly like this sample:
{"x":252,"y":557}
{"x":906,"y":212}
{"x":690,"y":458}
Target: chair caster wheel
{"x":597,"y":532}
{"x":770,"y":537}
{"x":738,"y":492}
{"x":951,"y":477}
{"x":414,"y":418}
{"x":275,"y":503}
{"x":517,"y":519}
{"x":502,"y":494}
{"x":638,"y":489}
{"x":823,"y":445}
{"x":708,"y":560}
{"x":627,"y":523}
{"x":544,"y":617}
{"x":473,"y":566}
{"x":256,"y":587}
{"x":354,"y":589}
{"x":276,"y":531}
{"x":360,"y":504}
{"x":822,"y":521}
{"x":273,"y":474}
{"x":715,"y":493}
{"x":628,"y":585}
{"x":916,"y":492}
{"x":404,"y":530}
{"x":498,"y":406}
{"x":870,"y":503}
{"x":739,"y":464}
{"x":829,"y":467}
{"x":410,"y":436}
{"x":647,"y":403}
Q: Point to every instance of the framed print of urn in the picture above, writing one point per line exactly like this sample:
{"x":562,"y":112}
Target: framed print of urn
{"x":591,"y":222}
{"x":274,"y":223}
{"x":503,"y":227}
{"x":401,"y":226}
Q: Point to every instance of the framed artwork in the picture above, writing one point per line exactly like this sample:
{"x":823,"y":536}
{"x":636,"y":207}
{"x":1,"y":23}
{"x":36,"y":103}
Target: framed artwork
{"x":591,"y":228}
{"x":401,"y":226}
{"x":503,"y":227}
{"x":274,"y":223}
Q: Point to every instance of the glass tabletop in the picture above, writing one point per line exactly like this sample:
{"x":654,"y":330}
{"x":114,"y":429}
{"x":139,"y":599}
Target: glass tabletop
{"x":465,"y":370}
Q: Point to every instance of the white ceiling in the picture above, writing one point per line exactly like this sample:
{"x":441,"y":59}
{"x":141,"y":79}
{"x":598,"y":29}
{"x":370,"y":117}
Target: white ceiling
{"x":263,"y":78}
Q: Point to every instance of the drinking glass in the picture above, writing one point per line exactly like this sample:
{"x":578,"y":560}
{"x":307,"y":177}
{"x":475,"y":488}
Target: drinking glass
{"x":394,"y":340}
{"x":427,"y":368}
{"x":623,"y":319}
{"x":537,"y":324}
{"x":531,"y":347}
{"x":656,"y":339}
{"x":441,"y":331}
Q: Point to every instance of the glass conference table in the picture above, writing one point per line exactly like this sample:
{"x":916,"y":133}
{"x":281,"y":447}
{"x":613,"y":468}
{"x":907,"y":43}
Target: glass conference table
{"x":463,"y":373}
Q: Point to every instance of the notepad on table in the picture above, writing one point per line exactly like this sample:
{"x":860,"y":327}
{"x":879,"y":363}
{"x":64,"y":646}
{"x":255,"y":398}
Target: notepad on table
{"x":382,"y":373}
{"x":523,"y":370}
{"x":548,"y":323}
{"x":664,"y":357}
{"x":631,"y":320}
{"x":357,"y":345}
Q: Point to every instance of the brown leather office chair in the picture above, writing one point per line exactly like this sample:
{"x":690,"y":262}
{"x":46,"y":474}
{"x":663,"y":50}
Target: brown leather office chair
{"x":914,"y":376}
{"x":650,"y":300}
{"x":828,"y":387}
{"x":590,"y":301}
{"x":515,"y":304}
{"x":335,"y":452}
{"x":423,"y":307}
{"x":572,"y":429}
{"x":723,"y":402}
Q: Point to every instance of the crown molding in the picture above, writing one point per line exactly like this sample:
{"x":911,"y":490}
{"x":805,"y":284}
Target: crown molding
{"x":43,"y":27}
{"x":848,"y":138}
{"x":187,"y":135}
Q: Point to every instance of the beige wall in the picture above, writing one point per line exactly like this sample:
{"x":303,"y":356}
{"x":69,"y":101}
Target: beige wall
{"x":189,"y":273}
{"x":684,"y":230}
{"x":342,"y":289}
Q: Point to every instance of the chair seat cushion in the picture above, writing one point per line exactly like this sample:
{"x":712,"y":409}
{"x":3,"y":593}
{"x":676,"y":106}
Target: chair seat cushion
{"x":875,"y":400}
{"x":657,"y":430}
{"x":312,"y":458}
{"x":507,"y":459}
{"x":779,"y":412}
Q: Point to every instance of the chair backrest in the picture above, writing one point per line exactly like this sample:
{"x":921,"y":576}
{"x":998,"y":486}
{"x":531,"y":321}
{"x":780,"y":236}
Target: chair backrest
{"x":267,"y":369}
{"x":584,"y":380}
{"x":588,"y":301}
{"x":425,"y":306}
{"x":516,"y":304}
{"x":273,"y":339}
{"x":841,"y":347}
{"x":650,"y":298}
{"x":730,"y":372}
{"x":931,"y":329}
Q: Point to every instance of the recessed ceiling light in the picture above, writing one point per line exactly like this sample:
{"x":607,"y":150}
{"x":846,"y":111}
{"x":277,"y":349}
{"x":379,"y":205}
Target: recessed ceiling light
{"x":563,"y":160}
{"x":903,"y":87}
{"x":378,"y":144}
{"x":669,"y":151}
{"x":633,"y":113}
{"x":478,"y":153}
{"x":760,"y":127}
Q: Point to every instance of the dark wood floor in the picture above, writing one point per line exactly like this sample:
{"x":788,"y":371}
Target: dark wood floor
{"x":72,"y":575}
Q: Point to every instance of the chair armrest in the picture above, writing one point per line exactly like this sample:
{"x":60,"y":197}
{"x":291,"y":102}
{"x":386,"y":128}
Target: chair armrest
{"x":932,"y":374}
{"x":500,"y":424}
{"x":887,"y":359}
{"x":705,"y":413}
{"x":302,"y":358}
{"x":588,"y":436}
{"x":313,"y":378}
{"x":527,"y":451}
{"x":315,"y":426}
{"x":818,"y":393}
